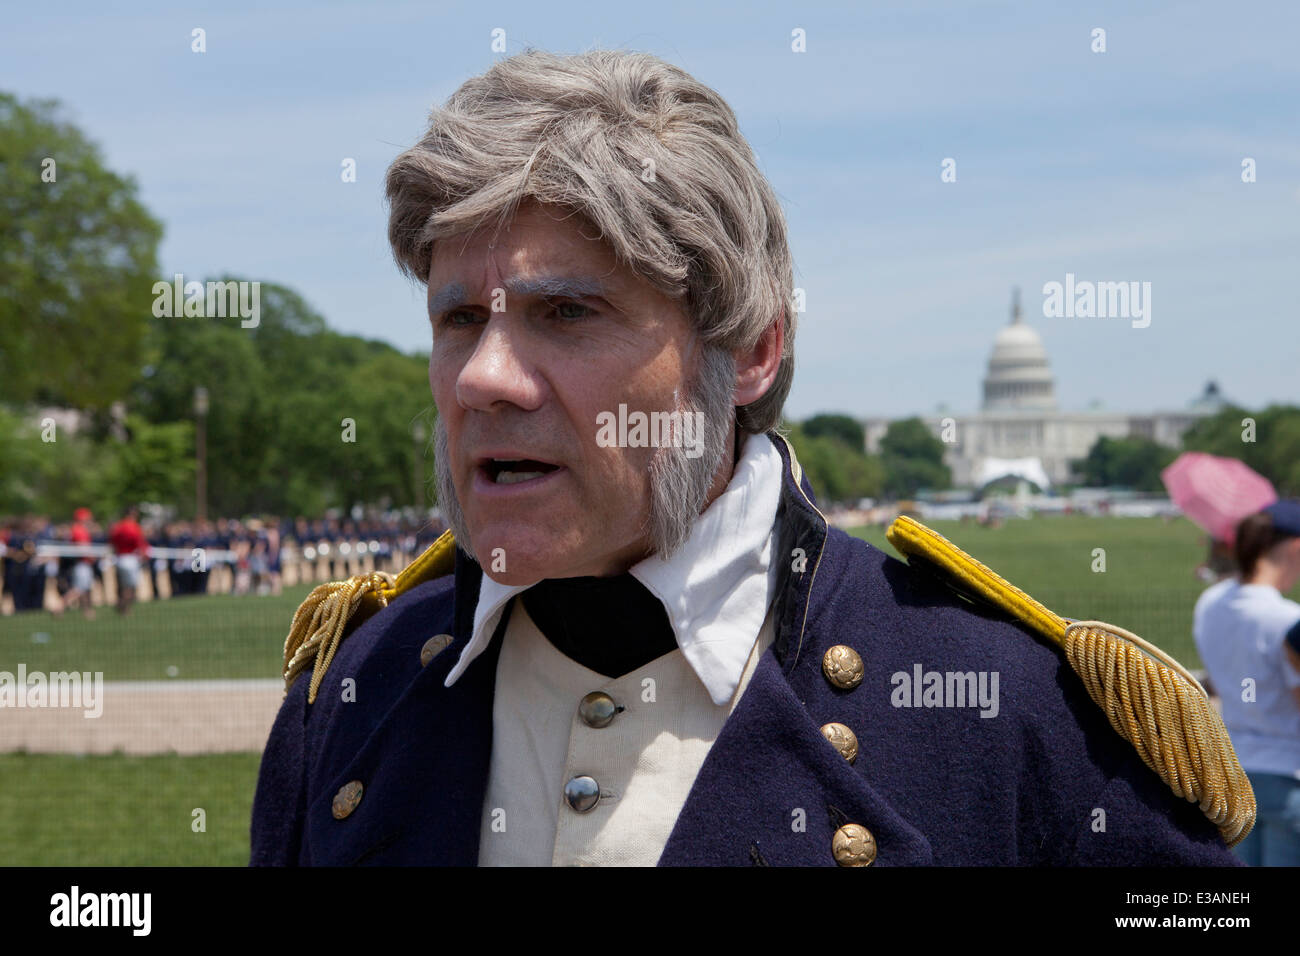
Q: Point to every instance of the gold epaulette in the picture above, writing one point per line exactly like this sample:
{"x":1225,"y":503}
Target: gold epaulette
{"x":332,"y":611}
{"x":1149,"y":698}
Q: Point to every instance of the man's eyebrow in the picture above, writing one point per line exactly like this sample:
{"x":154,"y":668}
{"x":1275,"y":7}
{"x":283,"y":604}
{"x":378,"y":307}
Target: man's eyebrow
{"x":449,"y":296}
{"x":557,"y":286}
{"x":453,"y":295}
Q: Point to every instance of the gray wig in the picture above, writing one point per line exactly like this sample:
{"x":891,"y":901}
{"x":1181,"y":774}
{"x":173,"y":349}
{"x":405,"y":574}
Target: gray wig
{"x":649,"y":156}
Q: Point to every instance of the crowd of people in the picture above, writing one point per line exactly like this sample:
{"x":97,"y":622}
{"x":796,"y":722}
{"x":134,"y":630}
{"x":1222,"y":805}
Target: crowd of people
{"x":178,"y":558}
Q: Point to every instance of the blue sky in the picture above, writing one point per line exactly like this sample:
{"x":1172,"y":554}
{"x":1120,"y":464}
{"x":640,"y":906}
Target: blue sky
{"x":1123,"y":165}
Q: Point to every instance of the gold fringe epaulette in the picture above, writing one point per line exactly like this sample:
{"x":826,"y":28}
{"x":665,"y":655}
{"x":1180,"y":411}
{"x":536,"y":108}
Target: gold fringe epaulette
{"x":334,"y":610}
{"x":1149,"y":698}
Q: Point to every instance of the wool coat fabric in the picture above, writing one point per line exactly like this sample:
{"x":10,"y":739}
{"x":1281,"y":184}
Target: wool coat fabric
{"x":1043,"y":782}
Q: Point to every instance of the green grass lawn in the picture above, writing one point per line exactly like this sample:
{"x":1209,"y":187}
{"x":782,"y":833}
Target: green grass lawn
{"x":201,"y":637}
{"x":117,"y":810}
{"x":1148,"y":586}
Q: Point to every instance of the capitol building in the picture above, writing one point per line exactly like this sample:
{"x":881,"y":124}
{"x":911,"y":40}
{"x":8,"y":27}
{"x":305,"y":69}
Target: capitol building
{"x":1019,"y":430}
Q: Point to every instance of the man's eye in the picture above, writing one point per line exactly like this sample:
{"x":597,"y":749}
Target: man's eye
{"x":450,"y":318}
{"x":563,"y":309}
{"x":566,"y":310}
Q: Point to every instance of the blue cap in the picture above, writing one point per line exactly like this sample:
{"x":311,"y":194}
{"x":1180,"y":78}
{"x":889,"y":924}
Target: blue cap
{"x":1286,"y":515}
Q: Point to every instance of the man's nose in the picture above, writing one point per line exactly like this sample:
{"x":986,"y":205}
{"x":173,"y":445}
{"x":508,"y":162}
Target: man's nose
{"x":499,"y":369}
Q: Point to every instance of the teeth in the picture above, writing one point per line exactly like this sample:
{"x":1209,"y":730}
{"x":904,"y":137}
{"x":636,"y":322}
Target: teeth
{"x":514,"y":477}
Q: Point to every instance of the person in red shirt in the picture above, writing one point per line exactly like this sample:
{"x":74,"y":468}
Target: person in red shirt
{"x":83,"y":573}
{"x":129,"y":546}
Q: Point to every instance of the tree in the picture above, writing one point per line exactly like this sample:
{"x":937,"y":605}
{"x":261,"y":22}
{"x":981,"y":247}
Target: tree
{"x":279,"y":394}
{"x":843,"y":427}
{"x":21,"y":463}
{"x":1126,"y":463}
{"x":218,"y":355}
{"x":839,"y":473}
{"x":78,"y":255}
{"x":913,"y":459}
{"x":155,"y":463}
{"x":52,"y":477}
{"x":1268,"y":441}
{"x":389,"y":397}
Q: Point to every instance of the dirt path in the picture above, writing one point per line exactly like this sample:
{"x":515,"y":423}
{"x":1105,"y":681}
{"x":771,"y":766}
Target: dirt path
{"x":150,"y":717}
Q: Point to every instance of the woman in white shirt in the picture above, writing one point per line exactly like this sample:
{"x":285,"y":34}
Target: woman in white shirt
{"x":1240,"y":626}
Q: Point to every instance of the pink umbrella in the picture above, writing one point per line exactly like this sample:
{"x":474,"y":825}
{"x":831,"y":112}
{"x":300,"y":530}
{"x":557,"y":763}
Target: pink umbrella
{"x":1216,"y":492}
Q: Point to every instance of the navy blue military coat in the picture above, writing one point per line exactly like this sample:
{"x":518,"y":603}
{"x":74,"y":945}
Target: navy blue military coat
{"x":934,"y":785}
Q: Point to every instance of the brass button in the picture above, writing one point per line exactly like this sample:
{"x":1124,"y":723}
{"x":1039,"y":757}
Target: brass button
{"x":597,"y":709}
{"x":433,"y":646}
{"x":581,"y":793}
{"x":842,"y":667}
{"x":853,"y":845}
{"x":842,"y":739}
{"x":346,"y":800}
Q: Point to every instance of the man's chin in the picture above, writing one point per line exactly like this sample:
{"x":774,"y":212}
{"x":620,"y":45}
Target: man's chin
{"x":519,"y":558}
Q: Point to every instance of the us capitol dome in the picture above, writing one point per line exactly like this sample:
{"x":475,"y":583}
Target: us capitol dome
{"x":1019,"y":375}
{"x":1019,"y":429}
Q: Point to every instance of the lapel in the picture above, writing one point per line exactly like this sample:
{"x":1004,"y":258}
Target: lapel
{"x":425,"y":767}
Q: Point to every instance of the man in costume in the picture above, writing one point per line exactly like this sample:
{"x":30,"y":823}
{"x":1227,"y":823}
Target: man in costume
{"x":640,"y":641}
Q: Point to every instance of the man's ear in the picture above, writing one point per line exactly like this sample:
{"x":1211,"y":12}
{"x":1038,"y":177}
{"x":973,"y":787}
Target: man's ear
{"x":756,"y":368}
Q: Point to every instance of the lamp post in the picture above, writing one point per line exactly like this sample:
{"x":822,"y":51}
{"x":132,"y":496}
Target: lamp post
{"x":201,"y":453}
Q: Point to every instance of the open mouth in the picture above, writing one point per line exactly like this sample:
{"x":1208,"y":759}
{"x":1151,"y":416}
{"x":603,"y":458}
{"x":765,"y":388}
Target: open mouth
{"x":511,"y":471}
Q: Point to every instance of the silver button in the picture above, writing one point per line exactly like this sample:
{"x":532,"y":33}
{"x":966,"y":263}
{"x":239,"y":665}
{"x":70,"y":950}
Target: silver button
{"x":597,"y":709}
{"x":581,"y":793}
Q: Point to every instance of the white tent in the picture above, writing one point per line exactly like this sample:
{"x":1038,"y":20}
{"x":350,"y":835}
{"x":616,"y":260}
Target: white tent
{"x":1030,"y":469}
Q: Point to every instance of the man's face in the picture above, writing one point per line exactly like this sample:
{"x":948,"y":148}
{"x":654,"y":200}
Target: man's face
{"x":533,"y":338}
